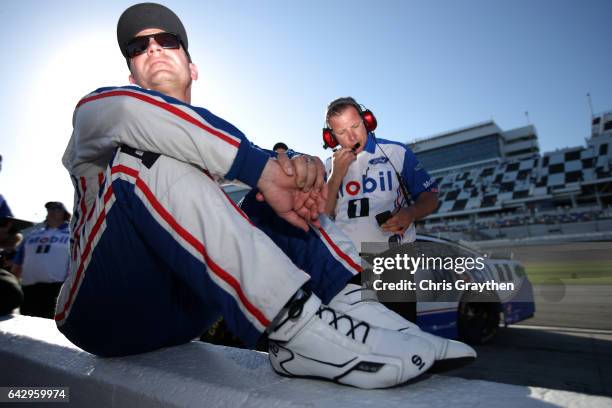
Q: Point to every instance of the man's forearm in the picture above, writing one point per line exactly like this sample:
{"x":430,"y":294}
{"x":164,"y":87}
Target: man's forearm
{"x":424,"y":205}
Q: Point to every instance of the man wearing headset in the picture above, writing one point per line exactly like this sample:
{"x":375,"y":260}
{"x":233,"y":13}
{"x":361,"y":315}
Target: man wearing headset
{"x":363,"y":182}
{"x":372,"y":183}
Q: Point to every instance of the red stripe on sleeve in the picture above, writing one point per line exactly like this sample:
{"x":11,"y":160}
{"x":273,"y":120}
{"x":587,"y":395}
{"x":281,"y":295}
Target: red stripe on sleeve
{"x":165,"y":106}
{"x":339,"y":252}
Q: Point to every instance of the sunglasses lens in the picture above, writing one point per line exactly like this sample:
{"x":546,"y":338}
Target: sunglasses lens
{"x":139,"y":45}
{"x":167,"y":40}
{"x":136,"y":46}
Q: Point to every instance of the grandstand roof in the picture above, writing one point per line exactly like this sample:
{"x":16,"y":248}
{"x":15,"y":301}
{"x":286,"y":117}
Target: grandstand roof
{"x":458,"y":130}
{"x":456,"y":136}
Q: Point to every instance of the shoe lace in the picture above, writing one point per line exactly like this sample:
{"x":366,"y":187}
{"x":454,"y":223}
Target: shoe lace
{"x":353,"y":326}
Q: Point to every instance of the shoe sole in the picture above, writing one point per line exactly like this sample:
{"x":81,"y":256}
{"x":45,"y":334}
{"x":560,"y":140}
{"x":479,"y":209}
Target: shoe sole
{"x":441,"y":366}
{"x":417,"y":379}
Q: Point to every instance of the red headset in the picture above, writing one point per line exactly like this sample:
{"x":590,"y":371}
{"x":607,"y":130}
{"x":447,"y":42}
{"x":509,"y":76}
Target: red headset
{"x":368,"y":118}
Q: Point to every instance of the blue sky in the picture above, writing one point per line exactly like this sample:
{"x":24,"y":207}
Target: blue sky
{"x":270,"y":67}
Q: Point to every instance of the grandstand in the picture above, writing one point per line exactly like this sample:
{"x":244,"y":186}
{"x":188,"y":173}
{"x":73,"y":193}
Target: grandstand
{"x":496,"y":184}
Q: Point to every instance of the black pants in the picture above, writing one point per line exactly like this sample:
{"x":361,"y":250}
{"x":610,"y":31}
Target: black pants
{"x":11,"y":295}
{"x":40,"y":299}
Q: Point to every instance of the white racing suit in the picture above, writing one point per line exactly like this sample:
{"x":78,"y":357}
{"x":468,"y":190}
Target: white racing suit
{"x":158,"y":250}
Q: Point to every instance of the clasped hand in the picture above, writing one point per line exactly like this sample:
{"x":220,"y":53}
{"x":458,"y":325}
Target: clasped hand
{"x":295,"y":188}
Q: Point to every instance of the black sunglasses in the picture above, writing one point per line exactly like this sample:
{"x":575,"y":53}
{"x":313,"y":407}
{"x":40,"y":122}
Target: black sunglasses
{"x":139,"y":45}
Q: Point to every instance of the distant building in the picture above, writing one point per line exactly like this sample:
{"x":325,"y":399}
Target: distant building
{"x":475,"y":146}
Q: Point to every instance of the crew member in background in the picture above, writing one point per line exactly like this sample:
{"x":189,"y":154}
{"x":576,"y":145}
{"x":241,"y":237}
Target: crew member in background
{"x":377,"y":187}
{"x":42,"y":262}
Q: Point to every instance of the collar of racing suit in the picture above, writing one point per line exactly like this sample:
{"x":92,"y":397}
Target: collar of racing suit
{"x":370,"y":144}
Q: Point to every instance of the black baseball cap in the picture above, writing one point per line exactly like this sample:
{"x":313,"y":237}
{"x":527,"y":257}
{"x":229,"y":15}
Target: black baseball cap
{"x":52,"y":205}
{"x":148,"y":15}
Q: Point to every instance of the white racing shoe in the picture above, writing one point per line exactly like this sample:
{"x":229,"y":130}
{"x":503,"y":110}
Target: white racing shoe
{"x":314,"y":341}
{"x":361,"y":303}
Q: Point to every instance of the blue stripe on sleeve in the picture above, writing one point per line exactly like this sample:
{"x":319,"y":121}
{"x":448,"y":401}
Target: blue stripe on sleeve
{"x":248,"y":164}
{"x":415,"y":175}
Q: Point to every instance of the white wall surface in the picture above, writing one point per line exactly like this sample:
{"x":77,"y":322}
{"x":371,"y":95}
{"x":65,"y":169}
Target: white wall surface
{"x":34,"y":353}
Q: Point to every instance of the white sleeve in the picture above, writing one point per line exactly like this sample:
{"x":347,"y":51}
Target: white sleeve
{"x":150,"y":121}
